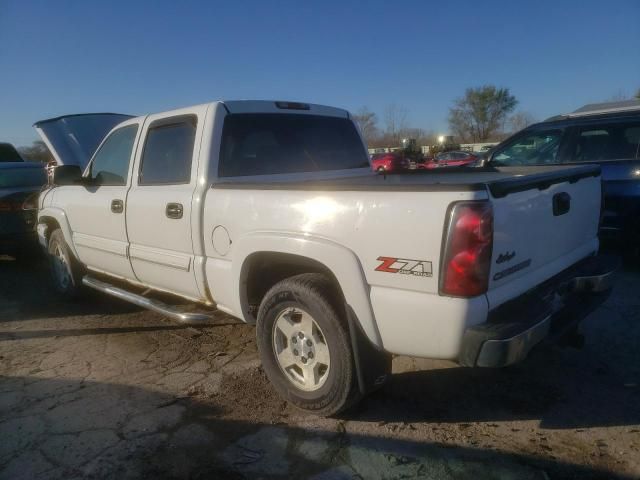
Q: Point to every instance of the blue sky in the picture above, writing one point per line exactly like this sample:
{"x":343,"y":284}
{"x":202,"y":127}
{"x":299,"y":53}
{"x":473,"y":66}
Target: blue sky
{"x":62,"y":57}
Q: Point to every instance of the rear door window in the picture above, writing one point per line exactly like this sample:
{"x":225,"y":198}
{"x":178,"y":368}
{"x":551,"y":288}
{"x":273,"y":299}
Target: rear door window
{"x":616,"y":141}
{"x":168,"y":152}
{"x":267,"y":144}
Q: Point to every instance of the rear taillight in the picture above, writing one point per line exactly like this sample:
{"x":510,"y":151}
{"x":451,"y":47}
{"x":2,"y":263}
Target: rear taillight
{"x":10,"y":206}
{"x":464,"y":270}
{"x":31,"y":203}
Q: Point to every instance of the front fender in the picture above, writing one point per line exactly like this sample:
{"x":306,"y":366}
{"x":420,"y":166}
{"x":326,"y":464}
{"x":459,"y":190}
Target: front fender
{"x":342,"y":263}
{"x":46,"y":214}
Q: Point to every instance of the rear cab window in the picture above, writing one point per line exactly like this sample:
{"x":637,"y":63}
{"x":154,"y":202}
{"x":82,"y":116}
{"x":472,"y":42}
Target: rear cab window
{"x":606,"y":141}
{"x":270,"y":144}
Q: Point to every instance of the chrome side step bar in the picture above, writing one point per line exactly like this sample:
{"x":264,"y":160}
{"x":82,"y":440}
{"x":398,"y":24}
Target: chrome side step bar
{"x":155,"y":305}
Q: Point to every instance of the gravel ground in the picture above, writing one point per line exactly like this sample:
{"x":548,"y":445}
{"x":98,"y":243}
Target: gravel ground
{"x":101,"y":389}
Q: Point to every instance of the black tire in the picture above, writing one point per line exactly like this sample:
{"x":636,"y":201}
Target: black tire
{"x":314,"y":294}
{"x":61,"y":258}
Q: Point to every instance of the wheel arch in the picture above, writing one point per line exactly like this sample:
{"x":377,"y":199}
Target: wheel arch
{"x":55,"y":218}
{"x":266,"y":259}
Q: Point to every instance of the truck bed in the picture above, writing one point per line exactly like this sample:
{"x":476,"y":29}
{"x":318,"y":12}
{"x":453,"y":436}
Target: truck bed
{"x":500,"y":180}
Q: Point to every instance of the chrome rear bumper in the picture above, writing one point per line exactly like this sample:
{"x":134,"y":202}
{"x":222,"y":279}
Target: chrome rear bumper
{"x":548,"y":311}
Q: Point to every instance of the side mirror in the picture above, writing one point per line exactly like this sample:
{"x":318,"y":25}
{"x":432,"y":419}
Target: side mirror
{"x":485,"y":160}
{"x":67,"y":175}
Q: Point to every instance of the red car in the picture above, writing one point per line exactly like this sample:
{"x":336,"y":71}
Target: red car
{"x":453,"y":159}
{"x":389,"y":162}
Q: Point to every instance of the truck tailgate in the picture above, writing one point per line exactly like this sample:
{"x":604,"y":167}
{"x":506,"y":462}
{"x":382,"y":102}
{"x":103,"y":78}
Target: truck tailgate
{"x":542,"y":224}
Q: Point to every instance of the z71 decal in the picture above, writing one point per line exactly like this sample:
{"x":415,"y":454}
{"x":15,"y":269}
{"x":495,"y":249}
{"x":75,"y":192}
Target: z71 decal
{"x":420,"y":268}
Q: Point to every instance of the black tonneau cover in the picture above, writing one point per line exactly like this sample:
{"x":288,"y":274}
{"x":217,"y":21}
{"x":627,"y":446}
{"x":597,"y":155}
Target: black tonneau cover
{"x":499,"y":180}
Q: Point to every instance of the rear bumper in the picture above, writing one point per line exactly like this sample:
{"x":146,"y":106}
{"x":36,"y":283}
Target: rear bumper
{"x":546,"y":313}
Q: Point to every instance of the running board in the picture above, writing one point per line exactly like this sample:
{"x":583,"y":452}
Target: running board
{"x":155,"y":305}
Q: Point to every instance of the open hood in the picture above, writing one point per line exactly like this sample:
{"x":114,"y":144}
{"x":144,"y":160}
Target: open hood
{"x":73,"y":139}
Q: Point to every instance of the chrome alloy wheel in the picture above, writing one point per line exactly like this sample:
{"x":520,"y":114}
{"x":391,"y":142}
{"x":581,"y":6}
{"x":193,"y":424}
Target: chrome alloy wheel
{"x":301,"y":349}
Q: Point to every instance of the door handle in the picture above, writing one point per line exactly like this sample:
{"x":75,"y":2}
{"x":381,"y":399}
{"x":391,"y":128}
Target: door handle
{"x":174,"y":210}
{"x":117,"y":206}
{"x":561,"y":203}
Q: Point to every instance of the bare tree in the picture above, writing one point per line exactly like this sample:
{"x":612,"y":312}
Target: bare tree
{"x":36,"y":152}
{"x":395,"y":120}
{"x":368,"y":122}
{"x":481,"y":112}
{"x":520,"y":120}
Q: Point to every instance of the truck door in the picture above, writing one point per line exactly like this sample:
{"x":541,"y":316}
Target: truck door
{"x":96,"y":209}
{"x":160,"y":220}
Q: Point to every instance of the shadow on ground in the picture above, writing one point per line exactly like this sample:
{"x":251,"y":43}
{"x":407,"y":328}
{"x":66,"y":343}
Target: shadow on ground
{"x":26,"y":294}
{"x":67,"y":429}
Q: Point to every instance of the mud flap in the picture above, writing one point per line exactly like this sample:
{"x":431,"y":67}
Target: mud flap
{"x":373,"y":366}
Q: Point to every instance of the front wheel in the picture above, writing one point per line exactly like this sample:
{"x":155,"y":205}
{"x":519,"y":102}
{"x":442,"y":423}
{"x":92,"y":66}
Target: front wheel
{"x":66,"y":271}
{"x":304,"y":345}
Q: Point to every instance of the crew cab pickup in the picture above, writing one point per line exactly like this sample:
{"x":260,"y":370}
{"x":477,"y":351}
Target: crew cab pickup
{"x":269,"y":211}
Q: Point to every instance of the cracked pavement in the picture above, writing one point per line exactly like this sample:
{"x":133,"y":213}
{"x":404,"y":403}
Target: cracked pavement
{"x":103,"y":389}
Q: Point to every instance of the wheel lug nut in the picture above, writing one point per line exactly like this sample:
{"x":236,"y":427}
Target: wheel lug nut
{"x":310,"y":355}
{"x":309,"y":343}
{"x":304,"y":360}
{"x":294,"y":340}
{"x":301,"y":335}
{"x":295,"y":352}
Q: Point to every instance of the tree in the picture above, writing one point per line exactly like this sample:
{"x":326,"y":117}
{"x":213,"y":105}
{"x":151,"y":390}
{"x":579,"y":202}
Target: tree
{"x":368,"y":122}
{"x":395,"y":120}
{"x":520,"y":120}
{"x":638,"y":94}
{"x":37,"y":152}
{"x":481,"y":112}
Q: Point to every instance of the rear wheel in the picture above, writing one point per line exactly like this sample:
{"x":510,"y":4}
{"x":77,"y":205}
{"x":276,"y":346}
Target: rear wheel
{"x":66,"y":271}
{"x":305,"y":347}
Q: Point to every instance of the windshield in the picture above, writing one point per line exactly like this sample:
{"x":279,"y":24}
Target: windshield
{"x":266,"y":144}
{"x":532,"y":148}
{"x":22,"y":177}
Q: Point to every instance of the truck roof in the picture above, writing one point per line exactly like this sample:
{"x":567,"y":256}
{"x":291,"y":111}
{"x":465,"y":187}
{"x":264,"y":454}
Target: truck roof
{"x":604,"y":108}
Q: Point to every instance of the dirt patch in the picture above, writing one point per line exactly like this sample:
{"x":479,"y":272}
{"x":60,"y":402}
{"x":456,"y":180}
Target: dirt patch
{"x":101,"y":389}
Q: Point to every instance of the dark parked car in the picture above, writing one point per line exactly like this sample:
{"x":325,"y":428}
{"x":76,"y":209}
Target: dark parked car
{"x":389,"y":162}
{"x":8,"y":153}
{"x":453,"y":159}
{"x":20,"y":184}
{"x":607,"y":134}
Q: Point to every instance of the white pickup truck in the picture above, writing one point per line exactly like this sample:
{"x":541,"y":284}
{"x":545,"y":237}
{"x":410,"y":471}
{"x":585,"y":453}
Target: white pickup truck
{"x":269,"y":212}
